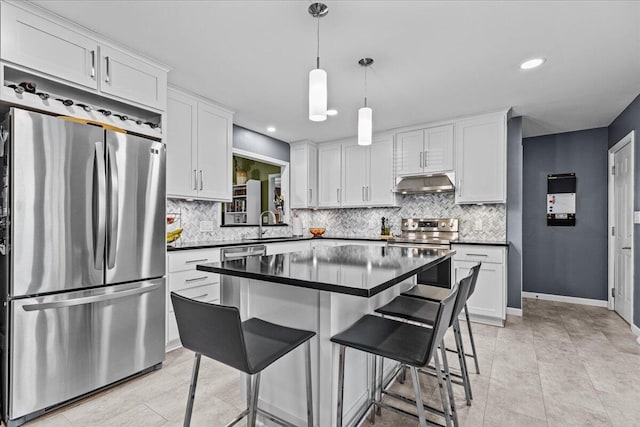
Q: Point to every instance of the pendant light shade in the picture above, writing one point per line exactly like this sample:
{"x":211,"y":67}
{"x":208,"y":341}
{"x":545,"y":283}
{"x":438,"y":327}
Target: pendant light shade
{"x":365,"y":114}
{"x":365,"y":126}
{"x":318,"y":76}
{"x":317,"y":95}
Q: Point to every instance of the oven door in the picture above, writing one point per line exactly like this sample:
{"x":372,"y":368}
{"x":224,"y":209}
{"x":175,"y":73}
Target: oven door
{"x":439,"y":275}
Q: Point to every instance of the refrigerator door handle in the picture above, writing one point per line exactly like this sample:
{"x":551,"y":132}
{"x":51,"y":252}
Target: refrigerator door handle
{"x":99,"y":204}
{"x":91,"y":299}
{"x":112,"y":242}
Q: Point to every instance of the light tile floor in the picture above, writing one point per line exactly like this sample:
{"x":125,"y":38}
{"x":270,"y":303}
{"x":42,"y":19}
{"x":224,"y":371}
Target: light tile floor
{"x":559,"y":365}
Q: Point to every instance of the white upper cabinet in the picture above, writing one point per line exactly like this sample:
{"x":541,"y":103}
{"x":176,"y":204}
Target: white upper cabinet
{"x":46,"y":46}
{"x":380,"y":190}
{"x":355,"y":174}
{"x":329,"y":168}
{"x":33,"y":39}
{"x":129,"y":78}
{"x":199,"y":138}
{"x":303,"y":165}
{"x":424,"y":151}
{"x":481,"y":159}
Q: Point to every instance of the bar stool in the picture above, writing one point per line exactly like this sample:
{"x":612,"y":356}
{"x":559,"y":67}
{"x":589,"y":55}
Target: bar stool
{"x":408,"y":344}
{"x":425,"y":312}
{"x":436,"y":293}
{"x":216,"y":331}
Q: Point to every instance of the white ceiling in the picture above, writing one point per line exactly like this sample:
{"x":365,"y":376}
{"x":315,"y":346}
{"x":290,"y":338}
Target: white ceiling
{"x":433,"y":60}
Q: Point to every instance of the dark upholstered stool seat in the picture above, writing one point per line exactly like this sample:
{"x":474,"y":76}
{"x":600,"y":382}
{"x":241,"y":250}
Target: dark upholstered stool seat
{"x":267,"y":342}
{"x":399,"y":341}
{"x":413,"y":309}
{"x":428,"y":292}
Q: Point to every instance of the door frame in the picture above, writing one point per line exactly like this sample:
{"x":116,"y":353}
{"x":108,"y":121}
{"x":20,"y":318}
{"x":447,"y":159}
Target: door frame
{"x":627,"y":139}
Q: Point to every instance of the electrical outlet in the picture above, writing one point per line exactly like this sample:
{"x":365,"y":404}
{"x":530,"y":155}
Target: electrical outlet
{"x":478,"y":225}
{"x":636,"y":217}
{"x":206,"y":226}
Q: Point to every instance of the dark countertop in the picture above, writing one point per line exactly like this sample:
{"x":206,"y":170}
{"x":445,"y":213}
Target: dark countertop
{"x":204,"y":244}
{"x":352,"y":269}
{"x":481,"y":242}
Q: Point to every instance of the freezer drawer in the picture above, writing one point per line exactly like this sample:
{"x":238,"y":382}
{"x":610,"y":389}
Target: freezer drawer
{"x":66,"y":345}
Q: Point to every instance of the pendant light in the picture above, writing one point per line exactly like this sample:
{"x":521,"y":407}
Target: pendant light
{"x":318,"y":76}
{"x":365,"y":114}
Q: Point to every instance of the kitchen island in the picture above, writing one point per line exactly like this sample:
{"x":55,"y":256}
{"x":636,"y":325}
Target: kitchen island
{"x":324,"y":290}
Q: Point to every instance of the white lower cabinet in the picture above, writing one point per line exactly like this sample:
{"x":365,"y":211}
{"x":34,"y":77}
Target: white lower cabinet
{"x":184,"y":279}
{"x":488,"y":304}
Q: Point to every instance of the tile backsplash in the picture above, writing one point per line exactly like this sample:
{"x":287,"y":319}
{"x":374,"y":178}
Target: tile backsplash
{"x":477,"y":222}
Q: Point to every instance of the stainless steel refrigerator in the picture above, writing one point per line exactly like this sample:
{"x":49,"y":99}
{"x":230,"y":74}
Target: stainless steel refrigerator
{"x":82,"y":247}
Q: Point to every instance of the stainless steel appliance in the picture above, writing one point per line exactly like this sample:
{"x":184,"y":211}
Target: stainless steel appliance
{"x":230,"y":285}
{"x":437,"y":183}
{"x":82,"y":252}
{"x":423,"y":233}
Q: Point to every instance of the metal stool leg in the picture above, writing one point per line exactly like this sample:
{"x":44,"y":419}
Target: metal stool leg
{"x":307,"y":351}
{"x":473,"y":344}
{"x":380,"y":385}
{"x":403,"y":374}
{"x":452,"y":400}
{"x":418,"y":393}
{"x":374,"y":387}
{"x":192,"y":390}
{"x":253,"y":406}
{"x":463,"y":362}
{"x":340,"y":386}
{"x":443,"y":394}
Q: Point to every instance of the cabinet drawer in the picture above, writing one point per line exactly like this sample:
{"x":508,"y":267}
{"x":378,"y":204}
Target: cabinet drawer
{"x":206,"y":293}
{"x":187,"y":260}
{"x":191,"y":278}
{"x":479,"y":253}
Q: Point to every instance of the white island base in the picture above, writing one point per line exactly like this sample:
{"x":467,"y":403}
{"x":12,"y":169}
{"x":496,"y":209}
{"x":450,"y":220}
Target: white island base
{"x":282,"y":385}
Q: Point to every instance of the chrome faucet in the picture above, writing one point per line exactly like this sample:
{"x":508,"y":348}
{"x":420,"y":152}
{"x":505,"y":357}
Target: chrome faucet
{"x":260,"y":231}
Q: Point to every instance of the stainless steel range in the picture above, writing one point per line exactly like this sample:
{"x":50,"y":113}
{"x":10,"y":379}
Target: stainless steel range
{"x":427,"y":233}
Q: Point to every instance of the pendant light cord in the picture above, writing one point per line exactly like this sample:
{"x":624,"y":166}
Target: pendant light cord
{"x":318,"y":45}
{"x":365,"y":85}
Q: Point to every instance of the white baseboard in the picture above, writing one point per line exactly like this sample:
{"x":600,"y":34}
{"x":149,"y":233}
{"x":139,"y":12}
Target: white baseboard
{"x":562,"y":298}
{"x":636,"y":331}
{"x":514,"y":311}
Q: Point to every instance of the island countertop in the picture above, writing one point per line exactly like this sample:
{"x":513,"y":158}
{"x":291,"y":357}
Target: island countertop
{"x":355,"y":270}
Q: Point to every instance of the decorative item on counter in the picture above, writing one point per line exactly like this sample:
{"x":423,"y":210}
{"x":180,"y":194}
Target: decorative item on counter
{"x":382,"y":227}
{"x":317,"y":232}
{"x":173,"y":235}
{"x":241,"y":176}
{"x":297,"y":226}
{"x":278,"y":202}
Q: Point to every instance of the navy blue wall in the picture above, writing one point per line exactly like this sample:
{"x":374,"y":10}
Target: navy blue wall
{"x":627,"y":121}
{"x":514,"y":212}
{"x":258,"y":143}
{"x":569,"y":261}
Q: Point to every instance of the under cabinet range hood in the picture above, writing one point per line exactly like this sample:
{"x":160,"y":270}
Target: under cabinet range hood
{"x":438,"y":183}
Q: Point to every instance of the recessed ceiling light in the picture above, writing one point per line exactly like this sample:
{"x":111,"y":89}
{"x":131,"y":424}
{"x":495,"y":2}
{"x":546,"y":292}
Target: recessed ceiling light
{"x":271,"y":129}
{"x":532,"y":63}
{"x":332,"y":112}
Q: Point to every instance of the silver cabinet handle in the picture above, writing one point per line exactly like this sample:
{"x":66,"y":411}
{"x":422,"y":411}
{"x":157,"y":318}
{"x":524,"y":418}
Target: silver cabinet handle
{"x":627,"y":247}
{"x":93,"y":64}
{"x":100,"y":181}
{"x":195,"y":179}
{"x":196,"y":279}
{"x":363,"y":199}
{"x":200,"y":296}
{"x":107,"y":77}
{"x":421,"y":160}
{"x":368,"y":196}
{"x":338,"y":195}
{"x":201,"y":180}
{"x":191,"y":261}
{"x":112,"y":173}
{"x":90,"y":300}
{"x":482,"y":255}
{"x":310,"y":196}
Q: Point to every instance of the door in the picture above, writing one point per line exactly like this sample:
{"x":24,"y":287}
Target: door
{"x":487,"y":300}
{"x":329,"y":176}
{"x":300,"y":191}
{"x":135,"y":208}
{"x":43,"y":45}
{"x":409,"y":152}
{"x":380,"y":190}
{"x":68,"y":344}
{"x":58,"y":199}
{"x":214,"y":154}
{"x":182,"y":179}
{"x":132,"y":79}
{"x":438,"y":149}
{"x":623,"y":236}
{"x":355,"y":172}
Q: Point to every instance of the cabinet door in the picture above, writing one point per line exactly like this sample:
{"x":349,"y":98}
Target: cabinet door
{"x":488,"y":298}
{"x":312,"y":176}
{"x":329,"y":176}
{"x":130,"y":78}
{"x":355,"y":175}
{"x":43,"y":45}
{"x":438,"y":151}
{"x":214,"y":153}
{"x":380,"y":189}
{"x":409,"y":152}
{"x":304,"y":175}
{"x":481,"y":160}
{"x":182,"y":112}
